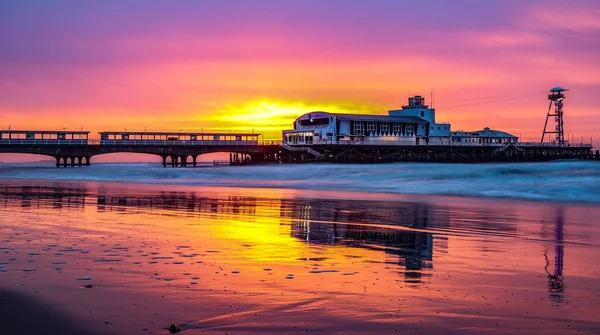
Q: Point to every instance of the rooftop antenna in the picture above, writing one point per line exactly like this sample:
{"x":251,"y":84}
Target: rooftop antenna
{"x":431,"y":96}
{"x":557,"y":97}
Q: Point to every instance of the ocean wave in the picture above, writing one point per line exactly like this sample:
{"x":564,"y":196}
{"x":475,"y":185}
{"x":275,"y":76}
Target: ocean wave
{"x":574,"y":181}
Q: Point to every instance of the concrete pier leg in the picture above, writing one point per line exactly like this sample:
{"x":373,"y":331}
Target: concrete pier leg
{"x":194,"y":161}
{"x":173,"y":161}
{"x":87,"y":160}
{"x":57,"y":161}
{"x":64,"y":161}
{"x":164,"y":161}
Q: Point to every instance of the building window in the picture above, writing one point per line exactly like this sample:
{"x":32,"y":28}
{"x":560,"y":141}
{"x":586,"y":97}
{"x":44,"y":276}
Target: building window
{"x":384,"y":127}
{"x":359,"y":128}
{"x":371,"y":127}
{"x":397,"y":127}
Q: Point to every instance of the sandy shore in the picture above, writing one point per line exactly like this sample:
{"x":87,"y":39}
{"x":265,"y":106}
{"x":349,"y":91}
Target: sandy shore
{"x":256,"y":261}
{"x":24,"y":314}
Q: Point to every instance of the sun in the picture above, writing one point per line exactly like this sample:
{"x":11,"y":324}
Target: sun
{"x":273,"y":116}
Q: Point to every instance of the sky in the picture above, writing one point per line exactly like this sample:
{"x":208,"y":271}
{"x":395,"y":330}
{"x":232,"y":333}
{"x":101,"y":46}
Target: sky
{"x":225,"y":65}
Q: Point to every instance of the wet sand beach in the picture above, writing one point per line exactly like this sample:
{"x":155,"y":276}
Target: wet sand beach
{"x":26,"y":314}
{"x":111,"y":258}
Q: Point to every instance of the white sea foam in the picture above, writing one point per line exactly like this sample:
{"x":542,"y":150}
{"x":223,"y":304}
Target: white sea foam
{"x":577,"y":181}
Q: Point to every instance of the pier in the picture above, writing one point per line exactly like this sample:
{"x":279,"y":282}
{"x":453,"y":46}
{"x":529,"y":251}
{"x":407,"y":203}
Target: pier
{"x":74,"y":148}
{"x":432,"y":153}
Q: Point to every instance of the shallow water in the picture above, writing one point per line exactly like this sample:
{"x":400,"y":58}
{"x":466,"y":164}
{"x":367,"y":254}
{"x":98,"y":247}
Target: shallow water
{"x":271,"y":261}
{"x":572,"y":181}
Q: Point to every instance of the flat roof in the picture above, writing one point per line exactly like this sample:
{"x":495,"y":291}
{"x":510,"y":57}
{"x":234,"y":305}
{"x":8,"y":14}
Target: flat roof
{"x":172,"y":133}
{"x":373,"y":117}
{"x":366,"y":117}
{"x":44,"y":132}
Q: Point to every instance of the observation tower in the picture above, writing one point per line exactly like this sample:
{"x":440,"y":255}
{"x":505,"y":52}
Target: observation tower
{"x":556,"y":96}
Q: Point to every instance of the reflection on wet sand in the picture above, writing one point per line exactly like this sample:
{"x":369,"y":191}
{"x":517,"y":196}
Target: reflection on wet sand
{"x":402,"y":229}
{"x":270,"y":264}
{"x":356,"y":225}
{"x":556,"y":285}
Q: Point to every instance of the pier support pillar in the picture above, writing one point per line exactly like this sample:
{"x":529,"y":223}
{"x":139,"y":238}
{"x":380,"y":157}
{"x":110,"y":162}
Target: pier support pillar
{"x":87,"y":160}
{"x":173,"y":161}
{"x":57,"y":161}
{"x":64,"y":161}
{"x":164,"y":161}
{"x":194,"y":157}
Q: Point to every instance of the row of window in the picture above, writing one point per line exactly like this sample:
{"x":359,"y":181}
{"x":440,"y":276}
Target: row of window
{"x":484,"y":140}
{"x":38,"y":136}
{"x":383,"y":127}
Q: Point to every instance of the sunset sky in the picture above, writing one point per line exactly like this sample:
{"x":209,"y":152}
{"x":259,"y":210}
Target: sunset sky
{"x":242,"y":65}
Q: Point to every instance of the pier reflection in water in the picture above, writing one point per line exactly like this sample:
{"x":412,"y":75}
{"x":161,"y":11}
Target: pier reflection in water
{"x":415,"y":259}
{"x":400,"y":230}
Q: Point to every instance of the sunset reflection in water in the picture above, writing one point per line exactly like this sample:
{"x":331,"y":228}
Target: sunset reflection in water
{"x":267,"y":261}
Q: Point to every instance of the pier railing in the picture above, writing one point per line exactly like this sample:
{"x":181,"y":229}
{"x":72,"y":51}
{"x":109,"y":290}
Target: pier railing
{"x":437,"y":143}
{"x":137,"y":142}
{"x":43,"y":142}
{"x":188,"y":142}
{"x":554,"y":145}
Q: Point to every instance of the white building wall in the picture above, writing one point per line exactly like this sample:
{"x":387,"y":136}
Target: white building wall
{"x":427,"y":114}
{"x":439,"y":129}
{"x":344,"y":127}
{"x":319,"y":131}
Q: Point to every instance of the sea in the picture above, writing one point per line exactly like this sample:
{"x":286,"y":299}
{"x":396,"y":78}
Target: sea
{"x":300,"y":248}
{"x":571,"y":181}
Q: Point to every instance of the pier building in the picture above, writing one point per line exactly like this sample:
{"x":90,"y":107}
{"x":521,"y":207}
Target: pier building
{"x":413,"y":124}
{"x":486,"y":136}
{"x":24,"y":137}
{"x":177,"y":138}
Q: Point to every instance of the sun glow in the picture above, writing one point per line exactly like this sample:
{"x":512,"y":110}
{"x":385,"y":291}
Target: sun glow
{"x":270,"y":117}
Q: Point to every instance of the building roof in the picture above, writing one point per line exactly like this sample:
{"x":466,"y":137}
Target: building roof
{"x":493,"y":133}
{"x":486,"y":132}
{"x":175,"y":133}
{"x":12,"y":131}
{"x":371,"y":117}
